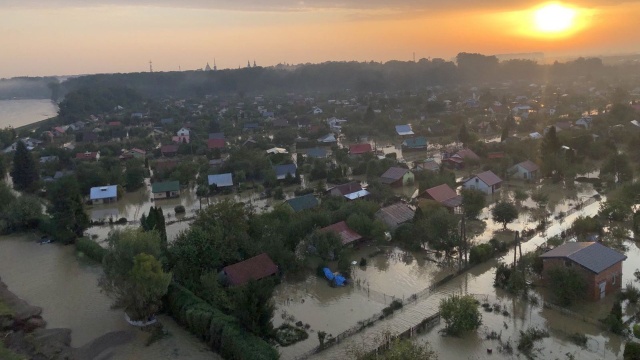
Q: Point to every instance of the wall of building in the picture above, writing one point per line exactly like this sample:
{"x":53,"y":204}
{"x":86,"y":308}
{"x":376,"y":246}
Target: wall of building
{"x":593,"y":280}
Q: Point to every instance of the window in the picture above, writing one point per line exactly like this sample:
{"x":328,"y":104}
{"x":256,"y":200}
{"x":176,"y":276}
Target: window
{"x":613,"y":279}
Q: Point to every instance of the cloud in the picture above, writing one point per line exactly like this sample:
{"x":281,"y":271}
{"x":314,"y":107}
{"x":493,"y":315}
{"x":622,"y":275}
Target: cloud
{"x":307,"y":5}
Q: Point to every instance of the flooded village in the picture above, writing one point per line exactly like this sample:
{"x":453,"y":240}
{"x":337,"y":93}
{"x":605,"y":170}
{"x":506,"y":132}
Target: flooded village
{"x":339,"y":224}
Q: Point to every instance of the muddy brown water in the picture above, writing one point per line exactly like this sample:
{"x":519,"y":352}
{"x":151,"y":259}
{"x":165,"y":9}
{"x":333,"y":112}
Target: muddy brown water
{"x":53,"y":277}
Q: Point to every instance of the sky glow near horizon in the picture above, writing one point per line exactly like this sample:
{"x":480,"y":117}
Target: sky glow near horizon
{"x":57,"y":37}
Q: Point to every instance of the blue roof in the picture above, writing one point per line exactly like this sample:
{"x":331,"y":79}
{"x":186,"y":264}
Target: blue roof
{"x":357,"y":194}
{"x":221,"y":180}
{"x":317,"y":153}
{"x":283,"y":170}
{"x":417,"y":142}
{"x":104,"y":192}
{"x":404,"y":130}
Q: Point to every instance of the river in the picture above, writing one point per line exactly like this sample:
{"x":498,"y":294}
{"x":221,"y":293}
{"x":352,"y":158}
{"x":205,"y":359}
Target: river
{"x":18,"y":113}
{"x":51,"y":276}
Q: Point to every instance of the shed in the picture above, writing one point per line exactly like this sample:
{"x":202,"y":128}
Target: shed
{"x":283,"y":170}
{"x":444,"y":195}
{"x":347,"y":235}
{"x":165,"y":189}
{"x":525,"y":170}
{"x":397,"y":176}
{"x":255,"y":268}
{"x":395,"y":215}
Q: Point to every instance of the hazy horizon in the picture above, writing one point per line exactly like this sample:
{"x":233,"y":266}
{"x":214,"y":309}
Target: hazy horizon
{"x":71,"y":37}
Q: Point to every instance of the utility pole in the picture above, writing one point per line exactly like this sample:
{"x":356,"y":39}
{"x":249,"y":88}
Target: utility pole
{"x":150,"y":66}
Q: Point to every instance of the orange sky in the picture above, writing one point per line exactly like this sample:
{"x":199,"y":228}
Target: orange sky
{"x":92,"y":36}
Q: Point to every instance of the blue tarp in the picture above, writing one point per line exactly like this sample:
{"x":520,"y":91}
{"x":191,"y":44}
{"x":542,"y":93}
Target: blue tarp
{"x":328,"y":274}
{"x":338,"y":280}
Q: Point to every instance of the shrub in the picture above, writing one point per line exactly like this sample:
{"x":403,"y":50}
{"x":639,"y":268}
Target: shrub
{"x":529,"y":337}
{"x":180,"y":209}
{"x":636,"y":330}
{"x":481,"y":253}
{"x":91,"y":249}
{"x":221,"y":332}
{"x":631,"y":351}
{"x":460,"y":314}
{"x":566,"y":284}
{"x":363,"y":262}
{"x":287,"y":335}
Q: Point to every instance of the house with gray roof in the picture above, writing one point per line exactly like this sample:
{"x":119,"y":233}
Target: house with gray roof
{"x":283,"y":170}
{"x":397,"y":176}
{"x":527,"y":170}
{"x":396,"y":214}
{"x":304,"y":202}
{"x":598,"y":265}
{"x":487,"y":182}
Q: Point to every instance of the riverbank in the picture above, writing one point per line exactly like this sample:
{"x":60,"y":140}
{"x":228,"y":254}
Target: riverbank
{"x":80,"y":323}
{"x":23,"y":331}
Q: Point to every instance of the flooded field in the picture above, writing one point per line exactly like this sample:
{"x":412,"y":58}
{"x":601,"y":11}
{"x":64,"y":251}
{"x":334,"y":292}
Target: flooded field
{"x":52,"y":277}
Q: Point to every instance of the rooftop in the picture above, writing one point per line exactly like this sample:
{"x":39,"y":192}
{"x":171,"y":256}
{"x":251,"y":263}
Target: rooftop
{"x":489,"y":178}
{"x":165,"y":186}
{"x":303,"y":202}
{"x":103,"y":192}
{"x":342,"y":229}
{"x":591,"y":255}
{"x":255,"y":268}
{"x":221,"y":180}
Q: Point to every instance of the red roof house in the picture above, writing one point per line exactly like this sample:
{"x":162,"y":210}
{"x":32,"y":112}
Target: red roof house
{"x":215,"y":143}
{"x":255,"y":268}
{"x":444,"y":195}
{"x":347,"y":235}
{"x":88,"y":156}
{"x":359,"y":149}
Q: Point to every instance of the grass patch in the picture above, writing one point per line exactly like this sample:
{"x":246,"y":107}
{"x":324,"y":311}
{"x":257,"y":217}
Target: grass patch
{"x":287,"y":335}
{"x":5,"y":310}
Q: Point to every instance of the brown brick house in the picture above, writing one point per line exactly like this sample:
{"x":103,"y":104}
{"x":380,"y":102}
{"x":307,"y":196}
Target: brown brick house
{"x":600,"y":266}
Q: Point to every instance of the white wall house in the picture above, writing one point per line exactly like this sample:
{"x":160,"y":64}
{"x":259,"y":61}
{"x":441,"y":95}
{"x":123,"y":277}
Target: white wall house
{"x":487,"y":182}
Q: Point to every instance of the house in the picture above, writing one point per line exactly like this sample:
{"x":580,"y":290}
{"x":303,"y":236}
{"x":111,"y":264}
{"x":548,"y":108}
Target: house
{"x":215,"y":144}
{"x":220,"y":180}
{"x":527,"y":170}
{"x":304,"y":202}
{"x":585,"y":122}
{"x":496,"y":155}
{"x":103,"y":194}
{"x":346,"y":234}
{"x":283,"y":170}
{"x":317,"y":153}
{"x":303,"y":123}
{"x":88,"y":156}
{"x":395,"y":215}
{"x":417,"y":143}
{"x":218,"y":135}
{"x":114,"y":123}
{"x":138,"y":153}
{"x":181,"y":139}
{"x":184,"y":132}
{"x":277,"y":150}
{"x":59,"y":131}
{"x":48,"y":159}
{"x":397,"y":176}
{"x":328,"y":139}
{"x":404,"y":130}
{"x":255,"y":268}
{"x":316,"y":110}
{"x":251,"y":126}
{"x":335,"y":124}
{"x":468,"y":154}
{"x":169,"y":150}
{"x":428,"y":164}
{"x":444,"y":195}
{"x":345,"y":189}
{"x":457,"y":160}
{"x":165,"y":190}
{"x":563,"y":125}
{"x":359,"y":149}
{"x":165,"y":165}
{"x":535,"y":135}
{"x":487,"y":182}
{"x":598,"y":265}
{"x":166,"y":121}
{"x":280,"y":123}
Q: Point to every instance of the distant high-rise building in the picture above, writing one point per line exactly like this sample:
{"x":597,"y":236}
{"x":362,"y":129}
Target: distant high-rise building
{"x":254,"y":63}
{"x":207,"y":68}
{"x":248,"y":63}
{"x":214,"y":65}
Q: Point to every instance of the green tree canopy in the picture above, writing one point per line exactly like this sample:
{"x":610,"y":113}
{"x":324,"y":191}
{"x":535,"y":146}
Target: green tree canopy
{"x":133,"y":277}
{"x":567,"y":285}
{"x":504,"y":213}
{"x":460,"y":314}
{"x":66,"y":208}
{"x":473,"y":201}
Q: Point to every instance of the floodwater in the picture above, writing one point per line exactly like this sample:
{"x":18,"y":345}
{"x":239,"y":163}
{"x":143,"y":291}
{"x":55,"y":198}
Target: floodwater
{"x":400,"y":274}
{"x":52,"y":277}
{"x":18,"y":113}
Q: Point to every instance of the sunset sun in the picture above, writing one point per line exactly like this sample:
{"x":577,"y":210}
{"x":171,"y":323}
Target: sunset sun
{"x":554,"y":18}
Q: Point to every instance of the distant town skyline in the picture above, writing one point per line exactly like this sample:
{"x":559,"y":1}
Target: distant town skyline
{"x":68,"y":37}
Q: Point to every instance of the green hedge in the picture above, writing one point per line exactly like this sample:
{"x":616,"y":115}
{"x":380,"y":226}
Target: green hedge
{"x":481,"y":253}
{"x":91,"y":249}
{"x":223,"y":333}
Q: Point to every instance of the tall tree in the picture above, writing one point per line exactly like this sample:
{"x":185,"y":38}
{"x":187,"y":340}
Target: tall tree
{"x":68,"y":218}
{"x":619,"y":167}
{"x":253,"y":306}
{"x":155,"y":221}
{"x":133,"y":276}
{"x":24,"y":172}
{"x":473,"y":202}
{"x":463,"y":135}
